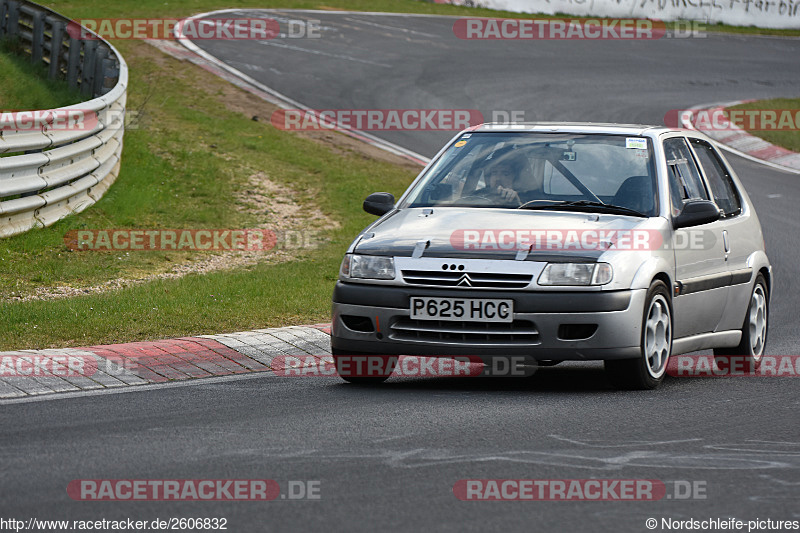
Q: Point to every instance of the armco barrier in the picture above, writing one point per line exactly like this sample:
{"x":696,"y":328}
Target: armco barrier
{"x":49,"y":172}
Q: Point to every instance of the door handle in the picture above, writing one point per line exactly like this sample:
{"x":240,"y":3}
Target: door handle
{"x":726,"y":243}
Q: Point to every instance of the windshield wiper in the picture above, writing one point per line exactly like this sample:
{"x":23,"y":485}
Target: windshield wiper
{"x":556,"y":204}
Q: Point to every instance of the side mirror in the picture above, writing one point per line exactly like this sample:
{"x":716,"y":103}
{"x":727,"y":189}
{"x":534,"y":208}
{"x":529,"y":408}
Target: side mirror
{"x":379,"y":203}
{"x":695,"y":213}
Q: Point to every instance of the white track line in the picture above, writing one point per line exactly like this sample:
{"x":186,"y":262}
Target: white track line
{"x":286,"y":102}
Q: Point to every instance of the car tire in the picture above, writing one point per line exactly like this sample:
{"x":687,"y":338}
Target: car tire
{"x":647,"y":370}
{"x":390,"y":364}
{"x":754,"y":330}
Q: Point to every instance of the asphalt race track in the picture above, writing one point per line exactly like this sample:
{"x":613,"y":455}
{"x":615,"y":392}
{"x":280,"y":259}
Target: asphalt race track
{"x":388,"y":458}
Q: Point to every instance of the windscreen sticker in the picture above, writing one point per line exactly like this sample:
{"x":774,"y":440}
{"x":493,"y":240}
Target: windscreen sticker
{"x":459,"y":144}
{"x":466,"y":136}
{"x":636,"y":142}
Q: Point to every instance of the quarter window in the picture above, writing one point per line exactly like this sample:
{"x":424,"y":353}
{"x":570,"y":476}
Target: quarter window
{"x":684,"y":179}
{"x":719,"y":178}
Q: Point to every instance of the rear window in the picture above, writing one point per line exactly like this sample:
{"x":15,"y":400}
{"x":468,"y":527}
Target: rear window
{"x":719,"y":178}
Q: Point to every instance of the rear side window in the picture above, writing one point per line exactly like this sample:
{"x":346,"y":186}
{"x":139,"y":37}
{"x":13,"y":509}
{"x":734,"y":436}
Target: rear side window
{"x":719,"y":178}
{"x":684,"y":179}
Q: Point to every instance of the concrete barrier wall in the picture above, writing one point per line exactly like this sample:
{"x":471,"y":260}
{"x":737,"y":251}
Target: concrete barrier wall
{"x":762,"y":13}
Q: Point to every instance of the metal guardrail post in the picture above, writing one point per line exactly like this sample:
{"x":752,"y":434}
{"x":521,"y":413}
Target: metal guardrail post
{"x":87,"y":72}
{"x":74,"y":61}
{"x":37,"y":38}
{"x":109,"y":71}
{"x":3,"y":16}
{"x":12,"y":25}
{"x":56,"y":42}
{"x":99,"y":70}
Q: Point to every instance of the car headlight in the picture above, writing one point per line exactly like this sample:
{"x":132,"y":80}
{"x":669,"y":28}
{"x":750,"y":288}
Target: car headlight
{"x":368,"y":267}
{"x":576,"y":274}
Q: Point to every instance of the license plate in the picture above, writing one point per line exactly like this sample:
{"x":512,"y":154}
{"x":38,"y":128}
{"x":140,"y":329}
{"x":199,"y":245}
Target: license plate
{"x":460,"y":309}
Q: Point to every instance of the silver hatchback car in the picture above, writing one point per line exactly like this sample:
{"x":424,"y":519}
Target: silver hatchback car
{"x":560,"y":241}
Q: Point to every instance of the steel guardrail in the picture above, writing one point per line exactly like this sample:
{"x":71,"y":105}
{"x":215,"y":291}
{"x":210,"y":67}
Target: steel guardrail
{"x":47,"y":172}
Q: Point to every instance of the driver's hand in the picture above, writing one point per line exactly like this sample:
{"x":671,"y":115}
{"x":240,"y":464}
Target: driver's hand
{"x":508,"y":194}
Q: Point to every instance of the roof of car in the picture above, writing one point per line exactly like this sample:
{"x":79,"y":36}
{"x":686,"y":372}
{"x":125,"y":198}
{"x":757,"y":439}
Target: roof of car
{"x":575,"y":127}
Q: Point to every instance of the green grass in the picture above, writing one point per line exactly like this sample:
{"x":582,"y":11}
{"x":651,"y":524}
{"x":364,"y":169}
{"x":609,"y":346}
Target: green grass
{"x":262,"y":296}
{"x":788,"y":139}
{"x":24,"y":86}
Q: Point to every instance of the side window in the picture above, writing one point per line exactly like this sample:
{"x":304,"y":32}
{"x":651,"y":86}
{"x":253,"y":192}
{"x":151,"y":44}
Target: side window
{"x":684,"y":179}
{"x":719,"y":178}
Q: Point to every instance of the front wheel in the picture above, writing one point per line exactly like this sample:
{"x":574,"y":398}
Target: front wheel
{"x":363,"y":369}
{"x":647,"y":370}
{"x":754,"y":330}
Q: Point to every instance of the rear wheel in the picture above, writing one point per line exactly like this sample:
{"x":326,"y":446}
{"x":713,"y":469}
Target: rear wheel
{"x":647,"y":370}
{"x":355,"y":368}
{"x":754,"y":330}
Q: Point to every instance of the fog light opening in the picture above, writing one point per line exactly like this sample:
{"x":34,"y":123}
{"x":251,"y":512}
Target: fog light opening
{"x":576,"y":332}
{"x":361,"y":324}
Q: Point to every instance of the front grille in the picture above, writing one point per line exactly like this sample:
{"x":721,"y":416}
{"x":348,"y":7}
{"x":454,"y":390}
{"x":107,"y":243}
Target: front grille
{"x":519,"y":332}
{"x":480,"y":280}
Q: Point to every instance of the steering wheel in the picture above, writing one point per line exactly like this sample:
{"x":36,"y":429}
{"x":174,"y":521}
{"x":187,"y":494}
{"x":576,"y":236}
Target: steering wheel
{"x":473,"y":197}
{"x":492,"y":199}
{"x":537,"y":201}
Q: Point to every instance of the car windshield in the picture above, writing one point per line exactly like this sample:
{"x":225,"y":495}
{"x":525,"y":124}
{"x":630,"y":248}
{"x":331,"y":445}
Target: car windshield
{"x":542,"y":171}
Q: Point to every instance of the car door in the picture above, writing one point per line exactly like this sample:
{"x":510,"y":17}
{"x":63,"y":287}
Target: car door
{"x":737,"y":232}
{"x":701,"y":271}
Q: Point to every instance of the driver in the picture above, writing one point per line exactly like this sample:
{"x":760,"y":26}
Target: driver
{"x":501,"y":179}
{"x":506,"y":178}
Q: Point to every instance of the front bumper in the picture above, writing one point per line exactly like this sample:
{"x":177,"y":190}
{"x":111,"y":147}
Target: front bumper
{"x":381,"y":314}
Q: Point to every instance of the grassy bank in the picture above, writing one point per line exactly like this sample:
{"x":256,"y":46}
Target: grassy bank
{"x":789,"y":139}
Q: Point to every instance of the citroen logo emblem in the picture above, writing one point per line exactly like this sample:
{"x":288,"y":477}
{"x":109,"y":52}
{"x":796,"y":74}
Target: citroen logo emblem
{"x":464,"y":281}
